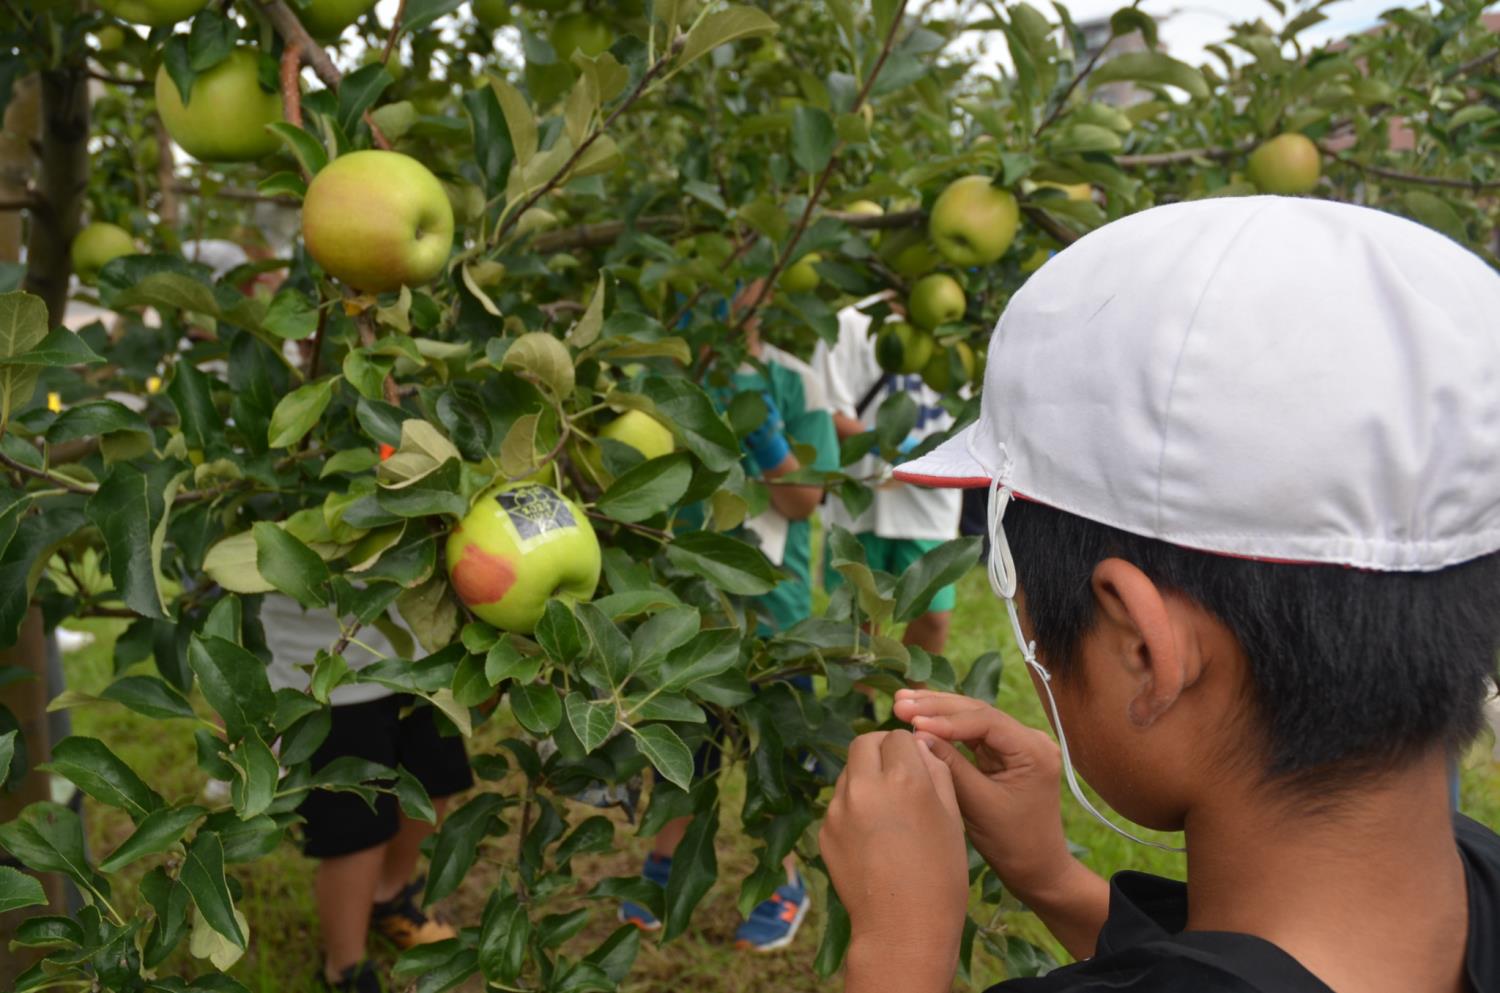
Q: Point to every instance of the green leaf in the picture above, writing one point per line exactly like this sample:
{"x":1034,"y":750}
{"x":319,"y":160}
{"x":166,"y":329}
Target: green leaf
{"x":665,"y":750}
{"x":23,"y":326}
{"x":233,"y":682}
{"x":983,"y":680}
{"x":232,"y":564}
{"x":1435,"y":212}
{"x":519,"y":119}
{"x":1128,"y":20}
{"x":210,"y":40}
{"x":126,"y":509}
{"x":157,"y":832}
{"x":255,"y":787}
{"x":683,"y":406}
{"x":7,"y":755}
{"x":728,"y":563}
{"x":148,"y":695}
{"x":358,"y":92}
{"x":1151,"y":67}
{"x":597,"y":834}
{"x":945,"y":564}
{"x":92,"y":767}
{"x":48,"y":837}
{"x":1078,"y":139}
{"x":663,"y":631}
{"x":19,"y":890}
{"x":835,"y":943}
{"x":457,"y":843}
{"x":705,"y":656}
{"x":504,"y":933}
{"x":536,"y":706}
{"x":60,"y":347}
{"x":649,"y":489}
{"x":298,"y":411}
{"x":413,"y":798}
{"x":813,"y":138}
{"x":543,"y":356}
{"x":91,"y":420}
{"x":291,"y":316}
{"x":203,"y":875}
{"x":694,"y":870}
{"x":307,"y":149}
{"x":591,"y":720}
{"x":721,"y":28}
{"x":290,"y":566}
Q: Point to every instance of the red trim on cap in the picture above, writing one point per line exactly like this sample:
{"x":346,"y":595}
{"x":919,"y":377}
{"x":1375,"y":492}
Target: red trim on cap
{"x":943,"y":482}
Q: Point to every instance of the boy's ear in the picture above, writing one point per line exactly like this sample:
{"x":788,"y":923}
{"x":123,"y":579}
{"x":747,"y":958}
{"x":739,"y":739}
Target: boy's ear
{"x":1146,"y":637}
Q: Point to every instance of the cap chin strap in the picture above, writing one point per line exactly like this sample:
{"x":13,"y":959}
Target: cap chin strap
{"x":1002,"y":570}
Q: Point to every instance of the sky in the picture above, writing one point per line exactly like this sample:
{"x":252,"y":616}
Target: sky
{"x":1187,"y":25}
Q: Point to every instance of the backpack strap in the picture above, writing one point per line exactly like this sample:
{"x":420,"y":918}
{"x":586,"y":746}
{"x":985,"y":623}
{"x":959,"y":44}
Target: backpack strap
{"x":871,"y":394}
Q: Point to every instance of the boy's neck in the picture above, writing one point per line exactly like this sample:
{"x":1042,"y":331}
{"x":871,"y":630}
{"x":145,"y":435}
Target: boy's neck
{"x":1367,"y":892}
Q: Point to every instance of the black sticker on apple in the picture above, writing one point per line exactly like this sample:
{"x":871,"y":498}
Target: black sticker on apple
{"x":535,"y":510}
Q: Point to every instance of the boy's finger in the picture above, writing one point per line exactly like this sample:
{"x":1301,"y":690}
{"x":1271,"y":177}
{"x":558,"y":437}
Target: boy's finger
{"x":910,"y":703}
{"x":942,"y":777}
{"x":864,"y":754}
{"x":1000,"y":733}
{"x":967,"y":781}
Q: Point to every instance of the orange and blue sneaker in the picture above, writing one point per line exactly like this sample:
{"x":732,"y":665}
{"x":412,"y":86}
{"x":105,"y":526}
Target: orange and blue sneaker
{"x":656,"y":870}
{"x":774,"y":923}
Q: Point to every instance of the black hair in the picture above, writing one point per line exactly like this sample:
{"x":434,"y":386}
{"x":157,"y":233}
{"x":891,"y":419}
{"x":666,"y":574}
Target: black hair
{"x":1351,"y":672}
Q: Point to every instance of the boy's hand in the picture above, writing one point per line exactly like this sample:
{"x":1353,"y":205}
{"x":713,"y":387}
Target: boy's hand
{"x":767,"y":444}
{"x":894,"y":845}
{"x":1010,"y":795}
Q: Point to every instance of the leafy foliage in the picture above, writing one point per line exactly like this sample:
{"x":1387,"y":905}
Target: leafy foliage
{"x":218,"y":441}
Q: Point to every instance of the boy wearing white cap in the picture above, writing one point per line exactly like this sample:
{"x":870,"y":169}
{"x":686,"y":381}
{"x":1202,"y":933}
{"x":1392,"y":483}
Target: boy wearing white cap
{"x":1244,"y":468}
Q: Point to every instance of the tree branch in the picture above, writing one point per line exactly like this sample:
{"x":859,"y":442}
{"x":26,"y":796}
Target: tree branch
{"x":1057,"y":229}
{"x":763,"y":291}
{"x":640,"y":88}
{"x":1062,"y":101}
{"x":395,"y":33}
{"x":1182,"y":155}
{"x":1407,"y":177}
{"x":291,"y":86}
{"x":1474,"y":63}
{"x":313,"y":55}
{"x":71,"y":485}
{"x":231,"y":193}
{"x":22,"y":203}
{"x":105,"y":77}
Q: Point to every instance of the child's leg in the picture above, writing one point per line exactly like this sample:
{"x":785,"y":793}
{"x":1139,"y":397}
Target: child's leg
{"x":669,"y":837}
{"x":930,"y":631}
{"x":345,"y":889}
{"x":400,"y":862}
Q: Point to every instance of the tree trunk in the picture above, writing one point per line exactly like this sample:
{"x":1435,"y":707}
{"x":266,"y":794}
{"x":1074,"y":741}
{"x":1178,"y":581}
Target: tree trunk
{"x":18,"y":143}
{"x":27,"y":700}
{"x":62,"y":185}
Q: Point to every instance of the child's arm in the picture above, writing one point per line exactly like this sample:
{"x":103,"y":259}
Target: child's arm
{"x":1011,"y":803}
{"x":893,"y":842}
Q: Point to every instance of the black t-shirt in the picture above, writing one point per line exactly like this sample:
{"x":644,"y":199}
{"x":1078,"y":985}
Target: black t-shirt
{"x":1143,"y":948}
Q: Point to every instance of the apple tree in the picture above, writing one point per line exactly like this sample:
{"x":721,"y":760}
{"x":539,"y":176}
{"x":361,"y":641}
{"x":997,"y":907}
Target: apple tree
{"x":517,"y":230}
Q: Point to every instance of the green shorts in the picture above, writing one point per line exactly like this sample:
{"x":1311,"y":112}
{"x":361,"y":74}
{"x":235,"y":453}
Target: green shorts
{"x":895,"y":556}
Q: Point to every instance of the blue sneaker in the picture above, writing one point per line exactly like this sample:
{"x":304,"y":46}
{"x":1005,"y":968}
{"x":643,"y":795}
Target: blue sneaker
{"x":774,"y":923}
{"x":656,"y":870}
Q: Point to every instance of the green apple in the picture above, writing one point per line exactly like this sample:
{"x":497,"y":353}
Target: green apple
{"x":491,"y":14}
{"x":584,"y":33}
{"x":940,"y":372}
{"x":109,"y":38}
{"x":973,"y":221}
{"x":867,"y":208}
{"x":96,"y":245}
{"x":901,"y":348}
{"x":225,"y":117}
{"x":1074,"y":191}
{"x":156,"y":13}
{"x":642,"y":432}
{"x":1288,"y":164}
{"x":520,"y":546}
{"x":801,"y":276}
{"x":936,"y":300}
{"x":325,"y":19}
{"x":908,"y":253}
{"x":378,"y":221}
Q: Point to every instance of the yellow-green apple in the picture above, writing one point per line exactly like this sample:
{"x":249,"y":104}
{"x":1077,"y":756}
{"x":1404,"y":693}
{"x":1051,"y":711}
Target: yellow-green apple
{"x":109,"y":38}
{"x":936,"y":300}
{"x":520,"y":546}
{"x":226,"y":113}
{"x":642,"y":432}
{"x":1074,"y":191}
{"x":491,"y":14}
{"x":584,"y":33}
{"x":1288,"y":164}
{"x":973,"y":221}
{"x":377,"y":221}
{"x":909,"y":254}
{"x":867,"y":208}
{"x":324,"y":19}
{"x":96,"y":245}
{"x":801,"y":276}
{"x":156,"y":13}
{"x":899,"y":347}
{"x":940,"y":374}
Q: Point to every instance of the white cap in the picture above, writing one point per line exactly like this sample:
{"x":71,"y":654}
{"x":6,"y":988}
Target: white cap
{"x":1268,"y":377}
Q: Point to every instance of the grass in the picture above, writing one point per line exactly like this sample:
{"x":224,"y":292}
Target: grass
{"x":277,"y":891}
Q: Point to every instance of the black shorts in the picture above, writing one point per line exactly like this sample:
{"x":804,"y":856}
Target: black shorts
{"x":342,"y":823}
